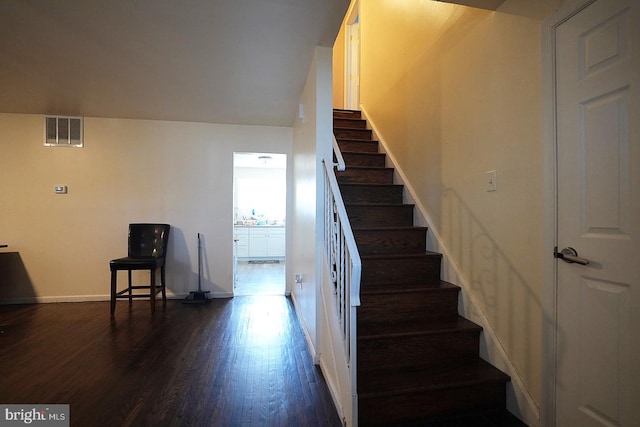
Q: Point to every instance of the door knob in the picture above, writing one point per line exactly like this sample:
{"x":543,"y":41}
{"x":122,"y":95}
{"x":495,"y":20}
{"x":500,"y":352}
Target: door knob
{"x":570,"y":256}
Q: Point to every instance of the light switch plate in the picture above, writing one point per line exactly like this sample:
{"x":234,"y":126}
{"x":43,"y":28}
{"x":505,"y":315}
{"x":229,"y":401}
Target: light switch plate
{"x":60,"y":189}
{"x":492,"y":184}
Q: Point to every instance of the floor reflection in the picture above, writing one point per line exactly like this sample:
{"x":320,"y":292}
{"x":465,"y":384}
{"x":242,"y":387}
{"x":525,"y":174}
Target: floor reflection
{"x":260,"y":278}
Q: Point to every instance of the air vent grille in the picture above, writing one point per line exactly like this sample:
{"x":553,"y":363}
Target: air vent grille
{"x":63,"y":131}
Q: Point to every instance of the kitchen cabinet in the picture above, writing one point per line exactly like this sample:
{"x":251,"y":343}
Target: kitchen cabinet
{"x":241,"y":238}
{"x":275,"y":242}
{"x":260,"y":242}
{"x":258,"y":238}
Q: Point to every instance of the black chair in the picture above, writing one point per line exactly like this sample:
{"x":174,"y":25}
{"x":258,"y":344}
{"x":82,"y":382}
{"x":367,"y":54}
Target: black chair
{"x":147,"y":250}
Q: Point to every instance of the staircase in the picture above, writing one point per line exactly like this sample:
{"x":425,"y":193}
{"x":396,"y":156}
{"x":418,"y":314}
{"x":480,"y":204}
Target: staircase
{"x":417,"y":358}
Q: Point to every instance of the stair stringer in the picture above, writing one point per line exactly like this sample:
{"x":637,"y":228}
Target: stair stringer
{"x":520,"y":402}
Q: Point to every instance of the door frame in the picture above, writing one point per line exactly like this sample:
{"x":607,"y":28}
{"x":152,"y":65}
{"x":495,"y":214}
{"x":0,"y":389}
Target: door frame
{"x":352,"y":14}
{"x":550,"y":222}
{"x":288,"y":212}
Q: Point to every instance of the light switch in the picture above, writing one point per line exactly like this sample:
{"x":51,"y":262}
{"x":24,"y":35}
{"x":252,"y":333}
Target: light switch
{"x":491,"y":181}
{"x":60,"y":189}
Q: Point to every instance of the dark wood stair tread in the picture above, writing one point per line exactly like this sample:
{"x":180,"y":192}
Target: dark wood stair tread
{"x":357,"y":184}
{"x":347,"y":111}
{"x":350,"y":119}
{"x":399,"y":288}
{"x":394,"y":381}
{"x":390,"y":228}
{"x":358,"y":167}
{"x":341,"y":139}
{"x":486,"y":418}
{"x":425,"y":254}
{"x":378,"y":205}
{"x":383,"y":330}
{"x":347,"y":153}
{"x":362,"y":153}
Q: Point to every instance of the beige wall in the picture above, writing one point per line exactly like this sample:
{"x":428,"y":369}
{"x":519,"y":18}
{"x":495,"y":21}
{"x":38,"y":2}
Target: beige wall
{"x":338,"y":67}
{"x":456,"y":92}
{"x":128,"y":171}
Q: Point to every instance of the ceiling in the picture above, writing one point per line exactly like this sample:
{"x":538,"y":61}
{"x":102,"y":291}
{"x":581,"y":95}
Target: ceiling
{"x":215,"y":61}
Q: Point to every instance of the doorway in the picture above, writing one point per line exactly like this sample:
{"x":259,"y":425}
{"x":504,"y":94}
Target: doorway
{"x":352,"y":60}
{"x":259,"y":223}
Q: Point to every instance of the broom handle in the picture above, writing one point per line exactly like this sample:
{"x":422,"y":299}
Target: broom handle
{"x":199,"y":267}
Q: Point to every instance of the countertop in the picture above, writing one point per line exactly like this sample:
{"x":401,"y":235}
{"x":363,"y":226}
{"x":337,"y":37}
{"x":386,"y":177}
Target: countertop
{"x":258,"y":226}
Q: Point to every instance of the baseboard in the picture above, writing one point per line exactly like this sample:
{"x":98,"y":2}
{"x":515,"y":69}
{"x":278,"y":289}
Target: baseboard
{"x":305,"y":330}
{"x":333,"y":391}
{"x":519,"y":400}
{"x":91,"y":298}
{"x":52,"y":299}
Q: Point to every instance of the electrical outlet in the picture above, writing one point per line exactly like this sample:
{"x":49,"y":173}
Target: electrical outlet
{"x":492,"y":184}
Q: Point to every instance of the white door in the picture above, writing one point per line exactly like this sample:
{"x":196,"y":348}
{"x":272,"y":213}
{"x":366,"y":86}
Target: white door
{"x":598,"y":154}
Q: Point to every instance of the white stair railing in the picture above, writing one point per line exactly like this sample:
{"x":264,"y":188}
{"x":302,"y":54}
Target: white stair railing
{"x":345,"y":266}
{"x":340,"y":165}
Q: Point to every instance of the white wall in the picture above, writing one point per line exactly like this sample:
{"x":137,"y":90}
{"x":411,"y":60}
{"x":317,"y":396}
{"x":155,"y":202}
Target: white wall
{"x":129,"y":171}
{"x":311,"y":141}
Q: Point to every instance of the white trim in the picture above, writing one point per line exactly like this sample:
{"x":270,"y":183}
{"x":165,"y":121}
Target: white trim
{"x":333,"y":391}
{"x":519,"y":399}
{"x":312,"y":349}
{"x":550,"y":226}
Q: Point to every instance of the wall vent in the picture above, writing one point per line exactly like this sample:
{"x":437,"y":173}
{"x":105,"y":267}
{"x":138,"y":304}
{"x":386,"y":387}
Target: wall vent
{"x":63,"y":131}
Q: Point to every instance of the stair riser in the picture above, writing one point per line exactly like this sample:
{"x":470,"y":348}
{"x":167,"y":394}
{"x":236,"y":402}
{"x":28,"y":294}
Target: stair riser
{"x":401,"y":270}
{"x":365,"y":176}
{"x":427,"y":350}
{"x":404,"y":408}
{"x":340,"y":122}
{"x":358,"y":146}
{"x":363,"y":134}
{"x":350,"y":114}
{"x":409,"y":306}
{"x":380,"y":216}
{"x":364,"y":159}
{"x":390,"y":241}
{"x":371,"y":194}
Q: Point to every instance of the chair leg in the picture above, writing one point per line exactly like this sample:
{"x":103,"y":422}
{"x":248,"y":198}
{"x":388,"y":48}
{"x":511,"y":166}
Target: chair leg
{"x":164,"y":286}
{"x":153,"y":291}
{"x":114,"y":274}
{"x":130,"y":290}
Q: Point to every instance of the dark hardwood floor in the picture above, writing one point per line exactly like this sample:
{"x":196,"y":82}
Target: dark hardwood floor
{"x":240,"y":361}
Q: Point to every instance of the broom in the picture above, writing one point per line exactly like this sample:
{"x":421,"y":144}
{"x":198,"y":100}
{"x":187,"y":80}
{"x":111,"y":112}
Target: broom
{"x":199,"y":295}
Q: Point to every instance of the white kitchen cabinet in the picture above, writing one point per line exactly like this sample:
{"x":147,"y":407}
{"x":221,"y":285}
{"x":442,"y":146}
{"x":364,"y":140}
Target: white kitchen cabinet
{"x":260,"y":242}
{"x":241,"y":238}
{"x":276,"y":243}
